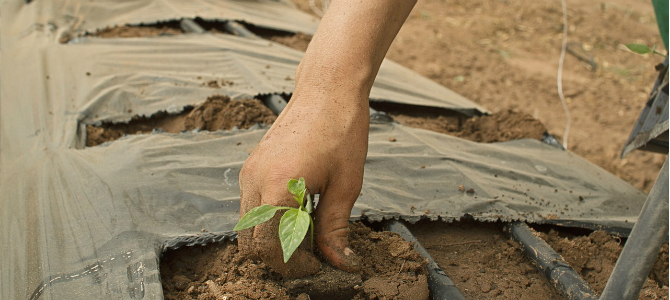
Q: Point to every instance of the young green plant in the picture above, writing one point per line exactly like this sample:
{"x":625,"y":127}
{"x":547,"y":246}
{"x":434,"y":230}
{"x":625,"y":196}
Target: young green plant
{"x":293,"y":225}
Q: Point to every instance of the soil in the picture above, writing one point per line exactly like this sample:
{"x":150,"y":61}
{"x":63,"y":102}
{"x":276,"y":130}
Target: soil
{"x":391,"y":269}
{"x":216,"y":113}
{"x":127,"y":31}
{"x":504,"y":56}
{"x":497,"y":127}
{"x":485,"y":264}
{"x":298,"y":41}
{"x":595,"y":255}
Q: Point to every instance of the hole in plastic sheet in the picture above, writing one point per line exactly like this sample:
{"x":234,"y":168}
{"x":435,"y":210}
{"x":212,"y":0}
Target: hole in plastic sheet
{"x":141,"y":30}
{"x":298,"y":41}
{"x":216,"y":113}
{"x":176,"y":27}
{"x":497,"y":127}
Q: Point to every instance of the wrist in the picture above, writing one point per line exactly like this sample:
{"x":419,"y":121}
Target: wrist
{"x":327,"y":77}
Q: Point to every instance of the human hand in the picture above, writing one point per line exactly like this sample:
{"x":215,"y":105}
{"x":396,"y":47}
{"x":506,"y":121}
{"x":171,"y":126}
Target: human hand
{"x":325,"y":141}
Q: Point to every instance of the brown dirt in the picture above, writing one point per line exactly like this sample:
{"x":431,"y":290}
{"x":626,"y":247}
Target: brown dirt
{"x":498,"y":127}
{"x":390,"y":270}
{"x":502,"y":126}
{"x":127,"y":31}
{"x":504,"y":55}
{"x":216,"y":113}
{"x":298,"y":41}
{"x":595,"y":255}
{"x":485,"y":264}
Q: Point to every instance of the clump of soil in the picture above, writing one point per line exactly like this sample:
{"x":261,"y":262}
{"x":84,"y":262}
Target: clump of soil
{"x":220,"y":112}
{"x":298,"y":41}
{"x":503,"y":126}
{"x":391,"y":269}
{"x":216,"y":113}
{"x":482,"y":261}
{"x":595,"y":255}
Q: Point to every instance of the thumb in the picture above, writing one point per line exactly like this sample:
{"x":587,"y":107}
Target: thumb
{"x":332,"y":226}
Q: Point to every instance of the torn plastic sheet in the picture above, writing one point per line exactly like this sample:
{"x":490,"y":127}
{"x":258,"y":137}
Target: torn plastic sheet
{"x":147,"y":73}
{"x":91,"y":223}
{"x":142,"y":76}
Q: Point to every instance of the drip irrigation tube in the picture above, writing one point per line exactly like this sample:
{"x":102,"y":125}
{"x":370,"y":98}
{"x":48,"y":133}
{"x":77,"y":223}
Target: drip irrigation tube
{"x":190,"y":26}
{"x":441,"y":287}
{"x":559,"y":272}
{"x":275,"y":103}
{"x":238,"y":29}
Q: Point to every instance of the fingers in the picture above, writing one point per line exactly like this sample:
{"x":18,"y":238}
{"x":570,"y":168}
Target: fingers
{"x":249,"y":198}
{"x":263,"y":242}
{"x":332,"y":224}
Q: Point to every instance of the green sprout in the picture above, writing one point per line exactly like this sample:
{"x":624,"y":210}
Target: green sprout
{"x":643,"y":49}
{"x":292,"y":226}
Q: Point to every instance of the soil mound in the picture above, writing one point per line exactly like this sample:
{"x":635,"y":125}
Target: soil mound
{"x":503,"y":126}
{"x":222,"y":113}
{"x":391,"y":269}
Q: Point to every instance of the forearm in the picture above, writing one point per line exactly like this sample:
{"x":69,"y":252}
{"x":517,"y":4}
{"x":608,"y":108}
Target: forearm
{"x":349,"y":46}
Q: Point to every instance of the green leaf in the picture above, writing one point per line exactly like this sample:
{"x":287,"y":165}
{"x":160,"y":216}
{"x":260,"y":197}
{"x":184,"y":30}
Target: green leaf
{"x":639,"y":49}
{"x":292,"y":229}
{"x":257,"y":215}
{"x":297,"y":188}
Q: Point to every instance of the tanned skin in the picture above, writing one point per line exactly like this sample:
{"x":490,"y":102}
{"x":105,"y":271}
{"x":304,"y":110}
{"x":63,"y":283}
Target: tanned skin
{"x":322,"y":134}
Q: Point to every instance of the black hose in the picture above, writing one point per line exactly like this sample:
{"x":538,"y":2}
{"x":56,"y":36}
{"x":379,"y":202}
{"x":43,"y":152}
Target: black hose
{"x":559,"y":272}
{"x":441,"y":287}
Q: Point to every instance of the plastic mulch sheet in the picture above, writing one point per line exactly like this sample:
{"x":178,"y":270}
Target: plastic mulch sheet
{"x":91,"y":223}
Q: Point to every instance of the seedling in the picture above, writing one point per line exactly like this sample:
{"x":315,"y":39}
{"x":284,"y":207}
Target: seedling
{"x":643,"y":49}
{"x":292,"y":226}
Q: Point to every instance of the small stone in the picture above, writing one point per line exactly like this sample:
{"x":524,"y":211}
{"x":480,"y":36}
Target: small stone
{"x":461,"y":188}
{"x":302,"y":296}
{"x":392,"y":139}
{"x":470,"y":191}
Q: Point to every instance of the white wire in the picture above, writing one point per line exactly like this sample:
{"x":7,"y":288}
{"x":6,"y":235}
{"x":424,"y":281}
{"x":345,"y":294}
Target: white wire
{"x":559,"y":82}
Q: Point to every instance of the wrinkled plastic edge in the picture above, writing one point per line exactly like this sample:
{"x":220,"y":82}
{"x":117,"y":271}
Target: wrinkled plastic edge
{"x":622,"y":230}
{"x":198,"y":240}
